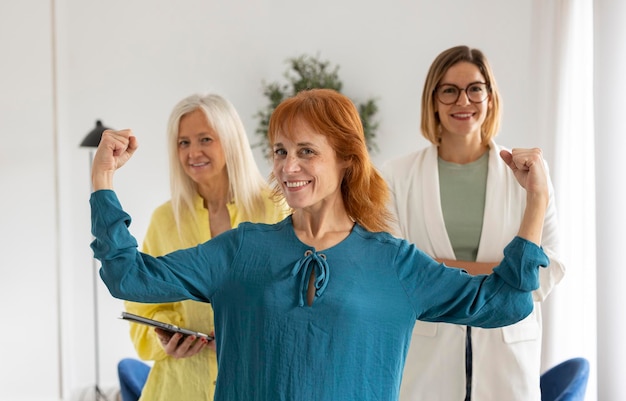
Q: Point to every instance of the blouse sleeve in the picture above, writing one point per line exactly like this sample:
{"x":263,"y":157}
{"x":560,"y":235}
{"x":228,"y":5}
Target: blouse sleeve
{"x":161,"y":237}
{"x":193,"y":273}
{"x":443,"y":294}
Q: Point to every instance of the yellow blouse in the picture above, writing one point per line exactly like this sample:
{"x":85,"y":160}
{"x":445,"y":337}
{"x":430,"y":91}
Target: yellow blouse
{"x":191,"y":378}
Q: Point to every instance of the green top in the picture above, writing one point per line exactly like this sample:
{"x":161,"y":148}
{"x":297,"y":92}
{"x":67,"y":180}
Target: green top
{"x":462,"y":190}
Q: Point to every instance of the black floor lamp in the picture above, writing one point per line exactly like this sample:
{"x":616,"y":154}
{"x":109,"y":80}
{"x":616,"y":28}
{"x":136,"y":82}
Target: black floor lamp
{"x":91,"y":141}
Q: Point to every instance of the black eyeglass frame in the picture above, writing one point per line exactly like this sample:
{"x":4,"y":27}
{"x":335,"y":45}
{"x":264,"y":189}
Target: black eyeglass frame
{"x":487,"y":91}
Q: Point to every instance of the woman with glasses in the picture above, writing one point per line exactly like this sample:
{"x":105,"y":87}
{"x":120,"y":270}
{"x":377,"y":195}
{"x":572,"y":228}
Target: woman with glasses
{"x":458,"y":201}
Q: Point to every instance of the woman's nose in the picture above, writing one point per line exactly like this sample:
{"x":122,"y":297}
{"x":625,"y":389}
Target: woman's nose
{"x":463,"y":99}
{"x":194,"y":149}
{"x":291,"y":164}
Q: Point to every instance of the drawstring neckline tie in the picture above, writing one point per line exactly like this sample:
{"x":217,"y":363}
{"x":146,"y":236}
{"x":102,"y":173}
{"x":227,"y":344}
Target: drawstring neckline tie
{"x":311,"y":262}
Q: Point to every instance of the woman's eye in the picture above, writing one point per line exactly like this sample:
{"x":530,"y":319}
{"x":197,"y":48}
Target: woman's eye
{"x":306,"y":151}
{"x":182,"y":144}
{"x":280,"y":152}
{"x":206,"y":140}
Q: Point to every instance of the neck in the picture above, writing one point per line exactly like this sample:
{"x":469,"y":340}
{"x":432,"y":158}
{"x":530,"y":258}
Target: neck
{"x":461,"y":152}
{"x":322,"y":228}
{"x":215,"y":194}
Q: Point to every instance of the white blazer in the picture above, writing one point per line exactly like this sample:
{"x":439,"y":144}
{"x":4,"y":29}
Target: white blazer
{"x":506,"y":361}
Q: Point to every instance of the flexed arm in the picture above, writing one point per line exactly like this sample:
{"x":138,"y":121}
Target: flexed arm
{"x":114,"y":150}
{"x":529,"y":169}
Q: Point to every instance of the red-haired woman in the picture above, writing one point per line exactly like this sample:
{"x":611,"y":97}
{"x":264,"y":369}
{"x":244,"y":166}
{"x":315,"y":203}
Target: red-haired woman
{"x":320,"y":306}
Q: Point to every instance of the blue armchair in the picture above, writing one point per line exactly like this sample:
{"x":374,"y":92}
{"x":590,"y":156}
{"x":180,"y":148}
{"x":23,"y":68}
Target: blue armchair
{"x":132,"y":375}
{"x":566,"y":381}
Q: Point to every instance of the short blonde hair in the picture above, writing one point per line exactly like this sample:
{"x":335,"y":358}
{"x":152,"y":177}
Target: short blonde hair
{"x":431,"y":124}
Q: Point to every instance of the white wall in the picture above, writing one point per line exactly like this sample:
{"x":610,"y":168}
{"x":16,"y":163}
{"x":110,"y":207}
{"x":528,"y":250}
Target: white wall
{"x":28,"y":220}
{"x":128,"y":63}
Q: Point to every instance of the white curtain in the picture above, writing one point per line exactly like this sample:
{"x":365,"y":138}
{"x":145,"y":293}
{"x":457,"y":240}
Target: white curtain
{"x":563,"y":45}
{"x":610,"y":136}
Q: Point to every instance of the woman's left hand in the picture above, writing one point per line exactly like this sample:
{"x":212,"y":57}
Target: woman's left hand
{"x":529,"y":169}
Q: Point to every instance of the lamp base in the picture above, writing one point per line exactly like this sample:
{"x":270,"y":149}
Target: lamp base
{"x":94,"y":393}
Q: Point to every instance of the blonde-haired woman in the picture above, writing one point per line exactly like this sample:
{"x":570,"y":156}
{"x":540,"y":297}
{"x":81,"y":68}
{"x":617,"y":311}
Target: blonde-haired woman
{"x":215,"y":185}
{"x":459,"y":202}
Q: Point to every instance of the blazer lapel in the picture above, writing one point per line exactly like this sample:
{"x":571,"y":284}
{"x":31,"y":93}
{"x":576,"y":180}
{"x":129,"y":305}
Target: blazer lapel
{"x":432,"y":213}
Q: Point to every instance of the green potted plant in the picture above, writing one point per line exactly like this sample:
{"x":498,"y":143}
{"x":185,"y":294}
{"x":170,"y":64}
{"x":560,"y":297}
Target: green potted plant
{"x":308,"y":72}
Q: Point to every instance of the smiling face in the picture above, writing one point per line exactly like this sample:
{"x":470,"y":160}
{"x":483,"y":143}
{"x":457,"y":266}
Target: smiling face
{"x":199,"y":149}
{"x":307,"y":169}
{"x":462,"y":119}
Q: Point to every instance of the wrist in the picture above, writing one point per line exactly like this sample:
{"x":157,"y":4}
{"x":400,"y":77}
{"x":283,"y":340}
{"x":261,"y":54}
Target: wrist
{"x":537,"y":200}
{"x":102,"y":180}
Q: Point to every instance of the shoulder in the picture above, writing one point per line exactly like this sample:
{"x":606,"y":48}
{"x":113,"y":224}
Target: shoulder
{"x":380,"y":238}
{"x":399,"y":167}
{"x":164,"y":209}
{"x":249,"y":227}
{"x":394,"y":251}
{"x":496,"y":148}
{"x":496,"y":164}
{"x":256,"y":237}
{"x":401,"y":172}
{"x":162,"y":217}
{"x":404,"y":160}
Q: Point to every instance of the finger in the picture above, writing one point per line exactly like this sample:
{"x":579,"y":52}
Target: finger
{"x":186,"y":347}
{"x":212,"y":345}
{"x":197,"y":346}
{"x":115,"y":139}
{"x":526,"y":158}
{"x":506,"y":156}
{"x":163,"y":335}
{"x":132,"y":144}
{"x":170,"y":345}
{"x":120,"y":136}
{"x":119,"y":141}
{"x":122,"y":133}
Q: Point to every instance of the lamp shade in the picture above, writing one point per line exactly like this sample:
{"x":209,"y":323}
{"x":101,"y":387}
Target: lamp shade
{"x":92,"y":140}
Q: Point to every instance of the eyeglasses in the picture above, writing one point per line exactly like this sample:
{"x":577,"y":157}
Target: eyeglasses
{"x":476,"y":92}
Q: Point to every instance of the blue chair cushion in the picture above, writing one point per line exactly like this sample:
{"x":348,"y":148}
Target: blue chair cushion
{"x":566,"y":381}
{"x":132,"y":375}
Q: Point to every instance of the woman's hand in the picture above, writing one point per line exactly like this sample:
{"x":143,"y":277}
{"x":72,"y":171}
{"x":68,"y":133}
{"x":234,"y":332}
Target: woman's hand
{"x":530,"y":172}
{"x":114,"y":150}
{"x":529,"y":169}
{"x":178,"y":346}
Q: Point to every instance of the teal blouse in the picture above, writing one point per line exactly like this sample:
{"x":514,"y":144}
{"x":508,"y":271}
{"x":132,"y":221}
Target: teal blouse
{"x":350,"y":344}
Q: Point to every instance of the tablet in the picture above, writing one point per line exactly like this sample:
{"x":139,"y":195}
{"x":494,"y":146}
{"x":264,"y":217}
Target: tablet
{"x":164,"y":326}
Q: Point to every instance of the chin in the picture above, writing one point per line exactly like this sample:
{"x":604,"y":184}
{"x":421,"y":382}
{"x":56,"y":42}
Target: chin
{"x":297,"y":203}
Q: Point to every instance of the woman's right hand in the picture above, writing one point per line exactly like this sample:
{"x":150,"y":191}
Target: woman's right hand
{"x":178,"y":346}
{"x":114,"y":150}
